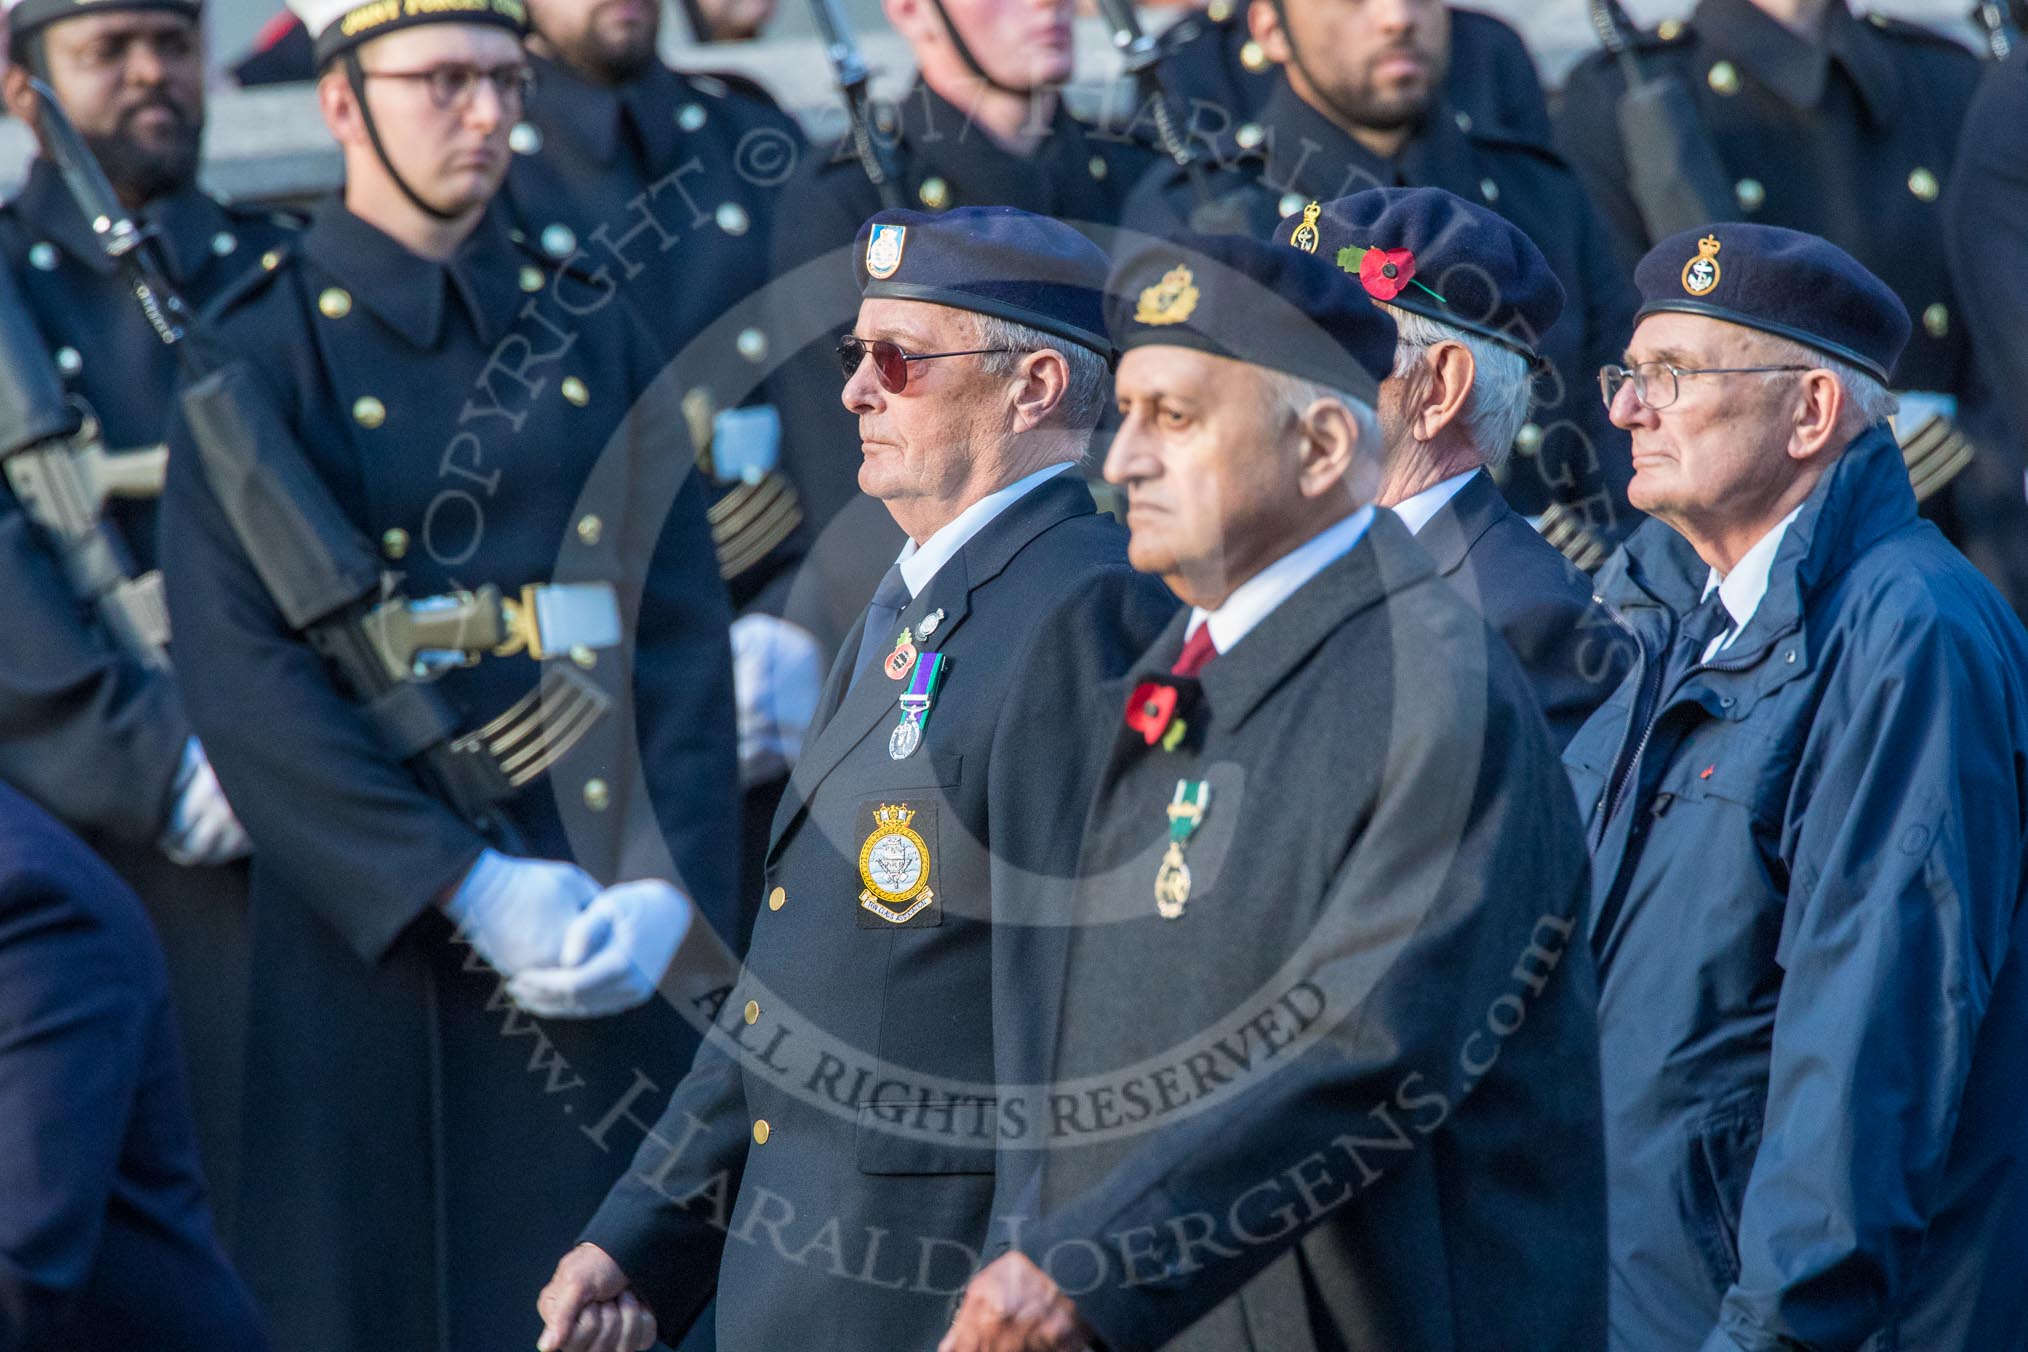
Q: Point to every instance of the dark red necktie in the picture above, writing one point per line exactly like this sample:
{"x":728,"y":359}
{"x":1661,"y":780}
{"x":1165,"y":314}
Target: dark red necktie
{"x":1198,"y":649}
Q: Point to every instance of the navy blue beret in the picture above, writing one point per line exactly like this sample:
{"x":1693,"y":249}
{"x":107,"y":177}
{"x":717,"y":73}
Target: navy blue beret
{"x":1252,"y":301}
{"x":1467,"y":267}
{"x":30,"y":15}
{"x":998,"y":261}
{"x":1783,"y":282}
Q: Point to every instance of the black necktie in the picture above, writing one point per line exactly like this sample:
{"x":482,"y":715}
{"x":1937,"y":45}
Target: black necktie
{"x":883,"y":612}
{"x":1707,"y":621}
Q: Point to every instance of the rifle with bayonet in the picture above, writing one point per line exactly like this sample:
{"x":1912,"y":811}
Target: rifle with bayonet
{"x":63,"y":476}
{"x":326,"y":578}
{"x":1141,"y":57}
{"x":1673,"y":170}
{"x":848,"y":68}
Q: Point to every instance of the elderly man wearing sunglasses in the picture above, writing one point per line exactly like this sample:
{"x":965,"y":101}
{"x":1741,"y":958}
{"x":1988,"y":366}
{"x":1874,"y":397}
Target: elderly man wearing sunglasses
{"x":933,"y":819}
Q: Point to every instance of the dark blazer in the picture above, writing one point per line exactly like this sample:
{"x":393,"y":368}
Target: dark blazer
{"x":513,"y":433}
{"x":1569,"y":648}
{"x":1355,"y":1083}
{"x":846,"y":1134}
{"x":86,"y":730}
{"x":105,"y":1234}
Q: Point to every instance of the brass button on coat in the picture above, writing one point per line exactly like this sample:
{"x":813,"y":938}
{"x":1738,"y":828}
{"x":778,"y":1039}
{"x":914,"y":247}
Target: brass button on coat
{"x":368,"y":412}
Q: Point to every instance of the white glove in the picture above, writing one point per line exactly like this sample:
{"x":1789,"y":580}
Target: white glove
{"x":613,"y":957}
{"x":517,"y":912}
{"x":202,"y":827}
{"x":777,"y":673}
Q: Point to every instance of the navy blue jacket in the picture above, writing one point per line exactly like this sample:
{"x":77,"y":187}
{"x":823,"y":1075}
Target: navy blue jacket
{"x":1807,"y":906}
{"x":105,"y":1234}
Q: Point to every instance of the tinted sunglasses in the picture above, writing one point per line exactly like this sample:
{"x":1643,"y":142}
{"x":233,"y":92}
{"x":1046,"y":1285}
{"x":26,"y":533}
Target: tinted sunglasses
{"x":890,"y":363}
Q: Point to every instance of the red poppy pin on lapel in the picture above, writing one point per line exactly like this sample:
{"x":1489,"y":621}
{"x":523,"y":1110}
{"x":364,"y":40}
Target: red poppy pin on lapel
{"x":1151,"y":711}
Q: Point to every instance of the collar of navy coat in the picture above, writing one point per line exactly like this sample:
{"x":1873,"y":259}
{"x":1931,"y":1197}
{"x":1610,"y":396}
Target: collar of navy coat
{"x":595,"y":120}
{"x":1793,"y":67}
{"x":1307,"y":153}
{"x":872,"y":702}
{"x":1385,"y":562}
{"x":185,"y":224}
{"x":943,"y":140}
{"x":409,"y":293}
{"x":1457,"y":525}
{"x":1864,"y":497}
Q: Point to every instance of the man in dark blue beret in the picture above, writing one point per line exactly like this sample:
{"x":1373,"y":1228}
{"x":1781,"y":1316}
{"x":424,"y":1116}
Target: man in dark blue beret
{"x":1322,"y":1064}
{"x":1806,"y":814}
{"x":1468,"y":291}
{"x":829,"y":1166}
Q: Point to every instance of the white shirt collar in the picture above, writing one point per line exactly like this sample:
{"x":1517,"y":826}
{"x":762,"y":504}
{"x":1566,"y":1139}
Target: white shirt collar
{"x":1741,"y":590}
{"x":1415,"y":512}
{"x":1256,"y":598}
{"x":919,"y":565}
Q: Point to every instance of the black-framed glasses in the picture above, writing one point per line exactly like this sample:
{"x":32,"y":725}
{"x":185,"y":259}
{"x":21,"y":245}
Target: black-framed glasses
{"x":454,"y":86}
{"x":890,"y":362}
{"x":1657,"y":383}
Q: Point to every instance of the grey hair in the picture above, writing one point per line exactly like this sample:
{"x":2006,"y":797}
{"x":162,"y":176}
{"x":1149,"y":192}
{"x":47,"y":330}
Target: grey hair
{"x":1871,"y":400}
{"x":1286,"y":397}
{"x":1088,"y":384}
{"x":1503,"y":387}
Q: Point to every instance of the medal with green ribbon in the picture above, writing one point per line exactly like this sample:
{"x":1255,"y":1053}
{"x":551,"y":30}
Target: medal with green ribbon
{"x":1186,"y":814}
{"x":915,"y":706}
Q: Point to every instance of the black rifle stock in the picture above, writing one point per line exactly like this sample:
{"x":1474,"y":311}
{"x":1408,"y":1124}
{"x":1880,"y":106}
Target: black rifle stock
{"x":1141,"y":56}
{"x":321,"y":571}
{"x":1673,"y":169}
{"x":62,"y":475}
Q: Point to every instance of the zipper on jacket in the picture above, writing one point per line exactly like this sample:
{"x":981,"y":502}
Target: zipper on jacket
{"x":1623,"y":780}
{"x":1645,"y":700}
